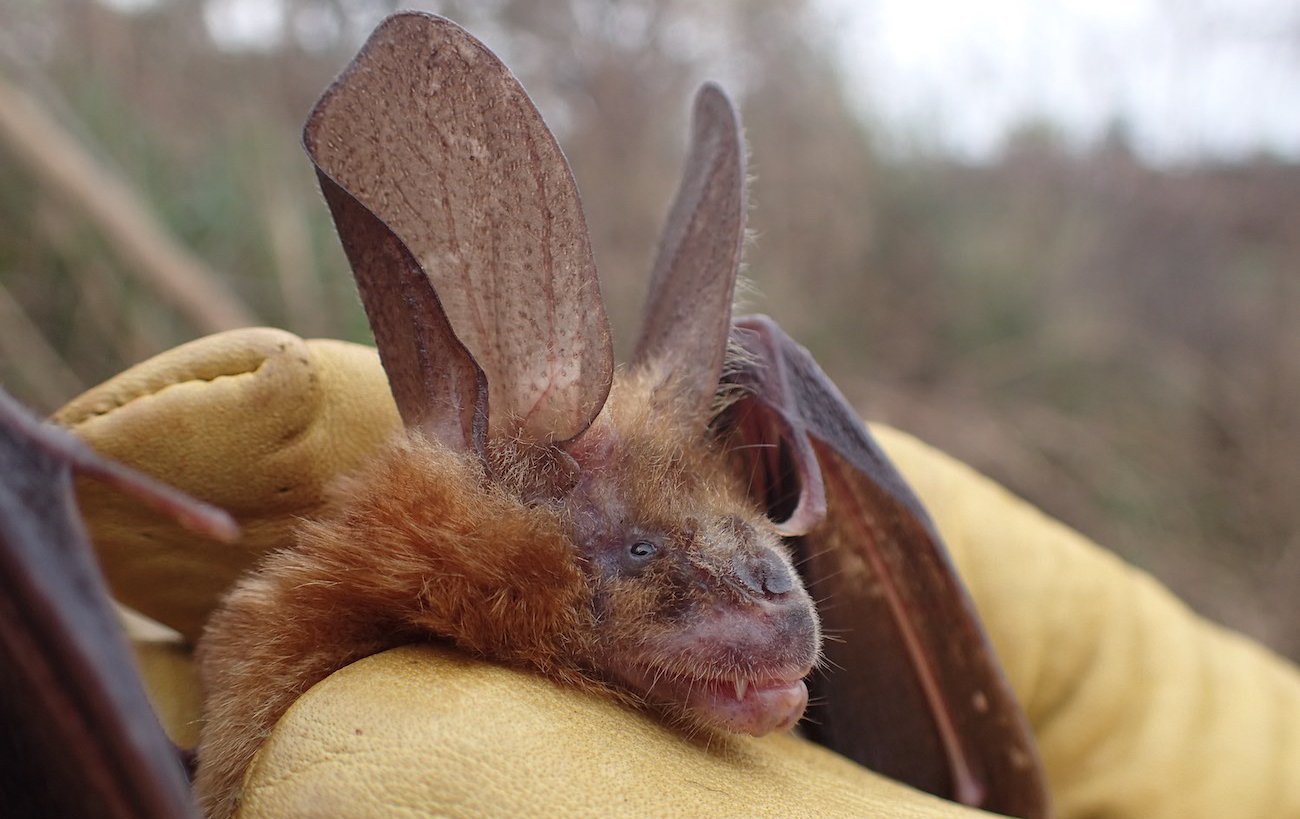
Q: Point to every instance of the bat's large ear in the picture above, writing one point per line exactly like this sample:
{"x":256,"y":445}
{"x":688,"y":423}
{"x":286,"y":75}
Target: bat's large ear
{"x":688,"y":312}
{"x":461,"y":220}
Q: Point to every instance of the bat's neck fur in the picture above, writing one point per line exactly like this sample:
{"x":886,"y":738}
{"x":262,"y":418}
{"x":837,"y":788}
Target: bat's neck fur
{"x":423,"y":542}
{"x":414,"y":544}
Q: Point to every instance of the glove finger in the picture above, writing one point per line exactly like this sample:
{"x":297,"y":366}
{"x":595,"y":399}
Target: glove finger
{"x":422,"y":731}
{"x":1140,"y":707}
{"x":256,"y":421}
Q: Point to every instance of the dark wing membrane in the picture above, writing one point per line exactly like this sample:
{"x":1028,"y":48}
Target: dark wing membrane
{"x":911,"y":687}
{"x":77,"y":737}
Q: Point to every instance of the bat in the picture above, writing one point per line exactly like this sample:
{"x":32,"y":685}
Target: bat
{"x":634,"y":533}
{"x":79,"y":736}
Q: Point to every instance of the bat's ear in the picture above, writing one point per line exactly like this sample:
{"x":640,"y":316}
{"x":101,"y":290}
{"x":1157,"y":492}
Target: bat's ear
{"x":461,"y":220}
{"x":688,"y":312}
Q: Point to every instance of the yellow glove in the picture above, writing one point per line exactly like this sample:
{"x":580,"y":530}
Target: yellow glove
{"x":256,"y":421}
{"x":1140,"y":708}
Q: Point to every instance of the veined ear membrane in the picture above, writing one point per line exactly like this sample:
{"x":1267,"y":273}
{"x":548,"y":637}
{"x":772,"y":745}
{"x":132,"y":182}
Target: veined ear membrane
{"x":688,"y":310}
{"x":431,"y":134}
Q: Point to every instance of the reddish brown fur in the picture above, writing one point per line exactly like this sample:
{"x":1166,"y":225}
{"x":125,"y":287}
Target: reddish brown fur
{"x":675,"y":476}
{"x":419,"y":544}
{"x":426,"y":543}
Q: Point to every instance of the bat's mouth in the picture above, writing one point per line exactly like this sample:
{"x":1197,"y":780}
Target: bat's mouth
{"x":756,"y":704}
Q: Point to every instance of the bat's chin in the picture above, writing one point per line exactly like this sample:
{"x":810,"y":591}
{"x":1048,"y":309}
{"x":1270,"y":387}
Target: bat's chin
{"x":757,"y":704}
{"x":754,"y":707}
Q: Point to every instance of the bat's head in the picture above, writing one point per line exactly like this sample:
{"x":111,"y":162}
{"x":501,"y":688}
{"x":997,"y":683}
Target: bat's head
{"x":696,"y":605}
{"x":462,"y":222}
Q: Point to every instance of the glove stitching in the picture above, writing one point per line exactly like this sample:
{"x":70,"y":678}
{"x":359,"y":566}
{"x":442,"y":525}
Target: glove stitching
{"x":122,"y":404}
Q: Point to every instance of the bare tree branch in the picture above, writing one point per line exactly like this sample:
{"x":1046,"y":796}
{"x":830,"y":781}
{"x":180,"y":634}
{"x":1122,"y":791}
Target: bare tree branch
{"x":125,"y":220}
{"x":47,"y":376}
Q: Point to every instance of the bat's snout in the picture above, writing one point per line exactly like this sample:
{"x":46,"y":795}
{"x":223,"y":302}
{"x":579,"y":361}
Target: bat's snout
{"x":766,"y":575}
{"x":770,"y":613}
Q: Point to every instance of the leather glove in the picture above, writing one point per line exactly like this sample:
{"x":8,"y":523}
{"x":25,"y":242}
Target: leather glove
{"x":256,"y":421}
{"x":1140,"y":707}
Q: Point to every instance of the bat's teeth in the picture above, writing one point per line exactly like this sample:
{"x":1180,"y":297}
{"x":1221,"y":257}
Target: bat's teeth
{"x":741,"y":687}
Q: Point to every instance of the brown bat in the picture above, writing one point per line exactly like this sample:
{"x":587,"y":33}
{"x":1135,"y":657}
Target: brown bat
{"x":77,"y":735}
{"x":633,"y":533}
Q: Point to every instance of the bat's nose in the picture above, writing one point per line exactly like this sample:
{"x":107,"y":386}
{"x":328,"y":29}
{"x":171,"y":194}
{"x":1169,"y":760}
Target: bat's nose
{"x":765,"y":574}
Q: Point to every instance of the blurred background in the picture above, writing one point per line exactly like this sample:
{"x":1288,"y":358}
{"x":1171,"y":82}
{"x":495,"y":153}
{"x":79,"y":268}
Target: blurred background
{"x":1060,"y":240}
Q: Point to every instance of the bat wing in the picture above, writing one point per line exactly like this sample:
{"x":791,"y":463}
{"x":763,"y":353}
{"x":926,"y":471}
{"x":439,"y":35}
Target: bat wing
{"x":911,"y":687}
{"x":78,"y":737}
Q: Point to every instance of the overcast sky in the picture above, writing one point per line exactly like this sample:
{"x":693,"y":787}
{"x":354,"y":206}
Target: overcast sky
{"x":1188,"y":77}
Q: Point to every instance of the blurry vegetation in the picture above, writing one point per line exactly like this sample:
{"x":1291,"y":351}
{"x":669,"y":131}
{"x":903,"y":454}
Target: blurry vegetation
{"x":1118,"y":343}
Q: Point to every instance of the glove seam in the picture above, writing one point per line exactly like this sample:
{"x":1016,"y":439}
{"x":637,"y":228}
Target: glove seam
{"x":281,"y":347}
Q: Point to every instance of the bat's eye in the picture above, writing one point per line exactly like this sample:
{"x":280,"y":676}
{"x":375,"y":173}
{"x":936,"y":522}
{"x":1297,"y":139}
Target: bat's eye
{"x":637,"y":553}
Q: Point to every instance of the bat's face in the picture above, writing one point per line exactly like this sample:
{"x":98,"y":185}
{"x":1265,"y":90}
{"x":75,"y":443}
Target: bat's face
{"x":697,"y":606}
{"x":705,"y":615}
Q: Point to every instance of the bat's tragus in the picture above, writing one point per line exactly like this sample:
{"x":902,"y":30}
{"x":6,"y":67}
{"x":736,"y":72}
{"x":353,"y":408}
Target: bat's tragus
{"x":607,"y":531}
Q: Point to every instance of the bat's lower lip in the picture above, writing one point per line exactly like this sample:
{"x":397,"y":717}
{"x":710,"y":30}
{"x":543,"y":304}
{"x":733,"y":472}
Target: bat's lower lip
{"x":760,"y":708}
{"x":754,"y":705}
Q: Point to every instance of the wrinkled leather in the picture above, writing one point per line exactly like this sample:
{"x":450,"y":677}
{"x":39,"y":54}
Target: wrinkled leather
{"x":449,"y":736}
{"x":256,"y":421}
{"x":1140,"y":707}
{"x":171,"y":680}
